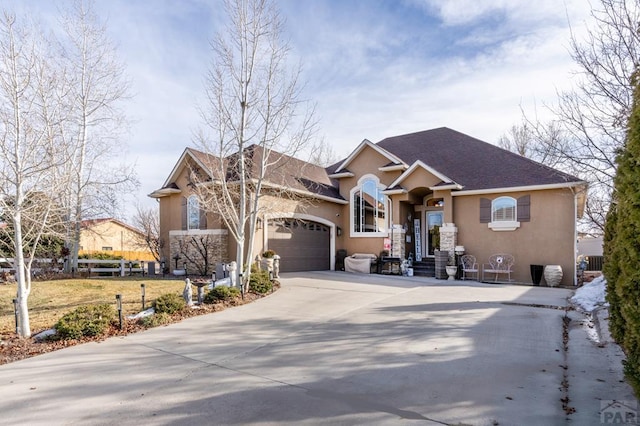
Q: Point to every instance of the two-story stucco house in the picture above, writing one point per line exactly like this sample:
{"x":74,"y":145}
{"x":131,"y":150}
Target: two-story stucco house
{"x":393,"y":194}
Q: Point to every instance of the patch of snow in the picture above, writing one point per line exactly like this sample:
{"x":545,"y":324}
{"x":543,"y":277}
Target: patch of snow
{"x":591,"y":295}
{"x":591,"y":329}
{"x":143,"y":314}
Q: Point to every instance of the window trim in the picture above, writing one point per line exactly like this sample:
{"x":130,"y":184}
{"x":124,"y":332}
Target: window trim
{"x":379,"y":187}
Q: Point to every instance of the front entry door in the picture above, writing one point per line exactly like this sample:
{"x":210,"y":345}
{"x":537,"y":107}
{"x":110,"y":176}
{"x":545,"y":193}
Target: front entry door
{"x":433,"y":219}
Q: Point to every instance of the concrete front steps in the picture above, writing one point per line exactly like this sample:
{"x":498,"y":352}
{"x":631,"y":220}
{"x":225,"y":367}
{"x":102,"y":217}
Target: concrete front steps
{"x":425,"y":268}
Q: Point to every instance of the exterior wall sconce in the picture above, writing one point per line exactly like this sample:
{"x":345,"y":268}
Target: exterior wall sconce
{"x":259,"y":223}
{"x":338,"y":231}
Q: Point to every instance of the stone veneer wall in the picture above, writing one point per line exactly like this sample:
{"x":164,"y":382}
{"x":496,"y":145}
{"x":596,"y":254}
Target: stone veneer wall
{"x":216,"y":241}
{"x":449,"y":240}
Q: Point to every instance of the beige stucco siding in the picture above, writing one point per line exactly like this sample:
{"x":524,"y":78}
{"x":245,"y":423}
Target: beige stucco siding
{"x":170,"y":219}
{"x":548,"y":238}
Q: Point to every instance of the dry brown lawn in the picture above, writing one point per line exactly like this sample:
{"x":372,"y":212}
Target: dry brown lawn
{"x":49,"y":300}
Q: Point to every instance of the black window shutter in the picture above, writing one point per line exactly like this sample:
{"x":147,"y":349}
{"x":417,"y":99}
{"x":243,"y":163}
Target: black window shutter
{"x":184,"y":213}
{"x":485,"y":210}
{"x":524,"y":208}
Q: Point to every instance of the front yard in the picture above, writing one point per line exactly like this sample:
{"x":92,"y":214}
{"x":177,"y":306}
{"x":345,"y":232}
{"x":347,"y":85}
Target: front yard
{"x":50,"y":300}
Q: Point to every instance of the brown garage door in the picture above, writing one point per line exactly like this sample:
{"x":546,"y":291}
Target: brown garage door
{"x":302,"y":245}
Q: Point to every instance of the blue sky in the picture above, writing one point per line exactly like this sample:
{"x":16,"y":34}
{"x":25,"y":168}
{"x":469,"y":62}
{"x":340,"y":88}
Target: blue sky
{"x":375,"y":68}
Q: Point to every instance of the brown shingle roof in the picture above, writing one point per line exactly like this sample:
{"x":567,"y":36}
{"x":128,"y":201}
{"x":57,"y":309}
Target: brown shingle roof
{"x":470,"y":162}
{"x":283,"y":170}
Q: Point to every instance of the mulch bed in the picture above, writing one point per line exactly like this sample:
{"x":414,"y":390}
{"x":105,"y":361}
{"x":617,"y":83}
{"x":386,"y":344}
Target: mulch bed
{"x":14,"y":348}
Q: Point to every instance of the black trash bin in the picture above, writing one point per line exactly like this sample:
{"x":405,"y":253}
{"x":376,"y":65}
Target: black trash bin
{"x":536,"y":274}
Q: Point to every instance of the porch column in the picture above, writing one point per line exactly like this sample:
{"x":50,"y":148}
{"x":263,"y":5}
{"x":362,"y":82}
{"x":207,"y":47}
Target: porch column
{"x":449,"y":239}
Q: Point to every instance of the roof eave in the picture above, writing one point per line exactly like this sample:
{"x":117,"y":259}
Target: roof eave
{"x":573,"y":184}
{"x":164,"y":192}
{"x":341,"y":175}
{"x":394,"y":191}
{"x":452,"y":186}
{"x":393,"y":168}
{"x":303,"y":192}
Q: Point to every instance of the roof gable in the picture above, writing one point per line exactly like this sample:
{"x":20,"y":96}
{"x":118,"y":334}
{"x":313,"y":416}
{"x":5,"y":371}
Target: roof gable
{"x":284,"y":171}
{"x":90,"y":223}
{"x":420,"y":165}
{"x":364,"y":144}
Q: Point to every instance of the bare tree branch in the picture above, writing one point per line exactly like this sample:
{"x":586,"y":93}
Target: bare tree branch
{"x":254,"y":111}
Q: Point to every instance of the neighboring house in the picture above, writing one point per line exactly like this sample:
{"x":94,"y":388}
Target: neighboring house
{"x":115,"y":237}
{"x":395,"y":194}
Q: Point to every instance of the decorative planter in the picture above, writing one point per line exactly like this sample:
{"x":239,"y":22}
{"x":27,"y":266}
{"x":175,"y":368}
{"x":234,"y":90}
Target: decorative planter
{"x":553,"y":275}
{"x":536,"y":274}
{"x":267,"y":263}
{"x":451,"y":271}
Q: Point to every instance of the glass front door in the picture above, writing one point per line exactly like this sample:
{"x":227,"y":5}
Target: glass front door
{"x":434,"y":222}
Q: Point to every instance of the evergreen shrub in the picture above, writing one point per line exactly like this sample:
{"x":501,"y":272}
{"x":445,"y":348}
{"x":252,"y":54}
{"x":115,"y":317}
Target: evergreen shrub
{"x":169,"y":303}
{"x":91,"y":320}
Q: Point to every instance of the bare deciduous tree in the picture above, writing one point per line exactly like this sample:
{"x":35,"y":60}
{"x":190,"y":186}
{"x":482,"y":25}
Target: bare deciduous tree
{"x":147,"y":220}
{"x":253,"y":98}
{"x":322,"y":154}
{"x":593,"y":116}
{"x":97,"y":85}
{"x":541,"y":142}
{"x":31,"y":153}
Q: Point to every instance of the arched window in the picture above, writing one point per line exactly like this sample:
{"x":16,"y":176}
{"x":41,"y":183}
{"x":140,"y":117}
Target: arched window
{"x":369,"y":208}
{"x":503,"y":209}
{"x":193,"y":212}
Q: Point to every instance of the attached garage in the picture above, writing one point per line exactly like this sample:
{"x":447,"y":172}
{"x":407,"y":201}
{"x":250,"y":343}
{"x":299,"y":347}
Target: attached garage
{"x":303,"y":245}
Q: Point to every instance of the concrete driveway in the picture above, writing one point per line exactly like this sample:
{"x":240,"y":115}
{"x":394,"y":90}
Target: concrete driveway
{"x":328,"y":348}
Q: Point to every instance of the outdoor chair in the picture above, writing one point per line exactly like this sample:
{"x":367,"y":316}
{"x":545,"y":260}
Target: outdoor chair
{"x":470,"y":268}
{"x":499,"y":264}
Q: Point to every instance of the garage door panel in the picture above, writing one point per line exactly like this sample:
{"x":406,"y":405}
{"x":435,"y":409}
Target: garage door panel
{"x":302,"y":245}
